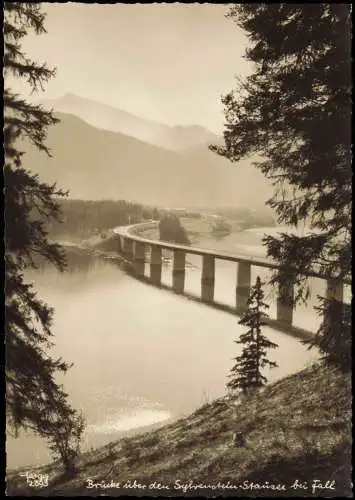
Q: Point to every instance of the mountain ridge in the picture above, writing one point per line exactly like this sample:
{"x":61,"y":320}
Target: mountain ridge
{"x":94,"y":164}
{"x":108,"y":117}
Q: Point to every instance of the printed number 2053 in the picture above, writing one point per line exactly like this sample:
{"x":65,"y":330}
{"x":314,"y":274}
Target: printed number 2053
{"x":36,"y":480}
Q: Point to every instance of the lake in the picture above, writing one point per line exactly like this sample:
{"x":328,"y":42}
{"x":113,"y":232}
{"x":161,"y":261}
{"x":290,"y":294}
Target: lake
{"x":141,"y":355}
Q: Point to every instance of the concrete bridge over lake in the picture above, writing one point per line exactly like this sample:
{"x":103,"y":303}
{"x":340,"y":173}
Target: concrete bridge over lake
{"x":134,"y":247}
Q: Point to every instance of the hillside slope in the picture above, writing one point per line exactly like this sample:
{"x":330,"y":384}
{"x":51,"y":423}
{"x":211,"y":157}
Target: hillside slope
{"x":109,"y":118}
{"x":94,"y":164}
{"x":298,"y":428}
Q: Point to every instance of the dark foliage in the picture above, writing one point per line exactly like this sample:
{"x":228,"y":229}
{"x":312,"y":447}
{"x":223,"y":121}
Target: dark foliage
{"x":294,"y":112}
{"x":333,"y":338}
{"x":33,"y":397}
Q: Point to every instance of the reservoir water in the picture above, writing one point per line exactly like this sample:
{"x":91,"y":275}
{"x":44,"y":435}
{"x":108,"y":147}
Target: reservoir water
{"x":141,"y":355}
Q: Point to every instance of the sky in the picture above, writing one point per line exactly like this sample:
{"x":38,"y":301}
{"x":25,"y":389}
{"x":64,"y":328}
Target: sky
{"x":166,"y":62}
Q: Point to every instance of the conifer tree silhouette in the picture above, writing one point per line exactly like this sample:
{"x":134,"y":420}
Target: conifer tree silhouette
{"x":246,"y":375}
{"x":34,"y":399}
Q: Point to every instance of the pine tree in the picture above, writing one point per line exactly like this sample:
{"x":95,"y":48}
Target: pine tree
{"x":33,"y":398}
{"x":294,"y":113}
{"x":246,"y":374}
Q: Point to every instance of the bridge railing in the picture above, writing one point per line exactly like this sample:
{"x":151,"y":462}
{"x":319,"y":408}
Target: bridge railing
{"x":135,"y":248}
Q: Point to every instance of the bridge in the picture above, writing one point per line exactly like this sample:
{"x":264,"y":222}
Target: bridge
{"x":134,"y":248}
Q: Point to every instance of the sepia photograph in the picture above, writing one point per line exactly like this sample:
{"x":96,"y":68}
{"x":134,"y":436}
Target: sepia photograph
{"x":177,"y":249}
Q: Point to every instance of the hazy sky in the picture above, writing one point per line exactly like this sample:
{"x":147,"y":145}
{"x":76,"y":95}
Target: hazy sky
{"x":166,"y":62}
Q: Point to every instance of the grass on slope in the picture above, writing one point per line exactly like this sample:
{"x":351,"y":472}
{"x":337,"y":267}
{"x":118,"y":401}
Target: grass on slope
{"x":297,"y":428}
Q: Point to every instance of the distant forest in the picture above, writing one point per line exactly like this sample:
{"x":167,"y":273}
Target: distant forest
{"x":85,"y":218}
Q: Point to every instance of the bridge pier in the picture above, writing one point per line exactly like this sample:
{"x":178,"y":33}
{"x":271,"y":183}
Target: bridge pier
{"x":119,"y":244}
{"x":285,"y":304}
{"x":243,"y":287}
{"x":127,"y":248}
{"x":138,"y":258}
{"x":335,"y":291}
{"x":155,"y":265}
{"x":207,"y":278}
{"x":179,"y":271}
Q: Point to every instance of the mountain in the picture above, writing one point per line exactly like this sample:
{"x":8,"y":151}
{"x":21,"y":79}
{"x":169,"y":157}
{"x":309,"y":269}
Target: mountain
{"x":94,"y":164}
{"x":109,"y":118}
